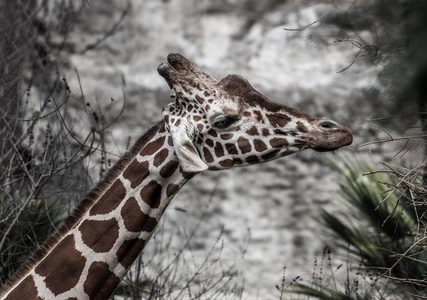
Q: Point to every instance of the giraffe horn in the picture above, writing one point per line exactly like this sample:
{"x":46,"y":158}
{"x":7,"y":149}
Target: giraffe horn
{"x":180,"y":63}
{"x":178,"y":70}
{"x":166,"y":71}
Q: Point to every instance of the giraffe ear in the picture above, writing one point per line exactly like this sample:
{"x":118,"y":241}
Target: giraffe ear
{"x":188,"y":157}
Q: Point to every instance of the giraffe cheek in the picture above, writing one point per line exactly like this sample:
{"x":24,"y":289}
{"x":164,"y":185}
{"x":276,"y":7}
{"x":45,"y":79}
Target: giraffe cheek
{"x":231,"y":149}
{"x":260,"y":146}
{"x":207,"y":155}
{"x":219,"y":150}
{"x":279,"y":142}
{"x":244,"y":145}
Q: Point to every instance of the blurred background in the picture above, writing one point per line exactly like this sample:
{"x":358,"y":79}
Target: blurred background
{"x":79,"y":85}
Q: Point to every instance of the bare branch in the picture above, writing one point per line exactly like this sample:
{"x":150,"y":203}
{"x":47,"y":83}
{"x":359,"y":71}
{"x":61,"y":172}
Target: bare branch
{"x":306,"y":26}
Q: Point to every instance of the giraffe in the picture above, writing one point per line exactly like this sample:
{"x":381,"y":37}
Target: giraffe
{"x":209,"y":125}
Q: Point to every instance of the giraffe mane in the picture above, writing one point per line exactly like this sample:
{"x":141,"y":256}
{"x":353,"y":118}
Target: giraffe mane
{"x":82,"y":207}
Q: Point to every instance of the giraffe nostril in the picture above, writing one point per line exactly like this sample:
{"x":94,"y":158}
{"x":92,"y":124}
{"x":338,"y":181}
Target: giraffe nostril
{"x":328,"y":125}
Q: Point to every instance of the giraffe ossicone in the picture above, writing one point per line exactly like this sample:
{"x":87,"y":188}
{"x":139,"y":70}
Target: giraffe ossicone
{"x":209,"y":125}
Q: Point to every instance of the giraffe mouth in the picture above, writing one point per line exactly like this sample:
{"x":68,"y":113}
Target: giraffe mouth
{"x":331,"y":142}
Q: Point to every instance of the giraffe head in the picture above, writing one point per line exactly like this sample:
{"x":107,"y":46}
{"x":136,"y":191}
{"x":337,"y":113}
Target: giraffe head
{"x":218,"y":125}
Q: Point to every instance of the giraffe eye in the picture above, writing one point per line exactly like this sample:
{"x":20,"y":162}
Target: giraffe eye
{"x":224,"y":121}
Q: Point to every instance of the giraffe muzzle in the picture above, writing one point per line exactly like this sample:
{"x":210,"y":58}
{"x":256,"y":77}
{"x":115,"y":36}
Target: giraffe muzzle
{"x":329,"y":135}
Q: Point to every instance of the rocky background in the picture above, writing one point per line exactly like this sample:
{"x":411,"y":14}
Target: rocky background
{"x":259,"y":219}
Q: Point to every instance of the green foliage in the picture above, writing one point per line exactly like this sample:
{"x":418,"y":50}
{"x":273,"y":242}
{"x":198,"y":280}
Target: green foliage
{"x":382,"y":221}
{"x":382,"y":225}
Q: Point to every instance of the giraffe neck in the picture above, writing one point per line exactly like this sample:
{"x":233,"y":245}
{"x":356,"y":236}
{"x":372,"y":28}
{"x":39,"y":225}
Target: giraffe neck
{"x":93,"y":249}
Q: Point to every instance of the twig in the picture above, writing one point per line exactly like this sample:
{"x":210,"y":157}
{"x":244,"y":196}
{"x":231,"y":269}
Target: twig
{"x":354,"y":60}
{"x":405,"y":254}
{"x":394,"y":139}
{"x":302,"y":28}
{"x":109,"y":33}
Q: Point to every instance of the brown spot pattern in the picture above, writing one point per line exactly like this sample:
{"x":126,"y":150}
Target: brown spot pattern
{"x":151,"y":194}
{"x":110,"y":200}
{"x":231,"y":149}
{"x":228,"y":163}
{"x":265,"y":132}
{"x":72,"y":263}
{"x":134,"y":219}
{"x":287,"y":152}
{"x":259,"y":117}
{"x":278,"y":119}
{"x":237,"y":161}
{"x":170,"y":141}
{"x":252,"y":131}
{"x":136,"y":172}
{"x":172,"y":189}
{"x":100,"y":282}
{"x":226,"y":136}
{"x":26,"y":287}
{"x":208,"y":155}
{"x":209,"y":142}
{"x":244,"y":145}
{"x":100,"y":236}
{"x":301,"y":127}
{"x":187,"y":175}
{"x":168,"y":169}
{"x":153,"y":147}
{"x":260,"y":146}
{"x":270,"y":155}
{"x":129,"y":251}
{"x":212,"y":133}
{"x":160,"y":157}
{"x":278,"y":142}
{"x":162,"y":128}
{"x":199,"y":99}
{"x":280,"y":132}
{"x":252,"y":159}
{"x":219,"y":150}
